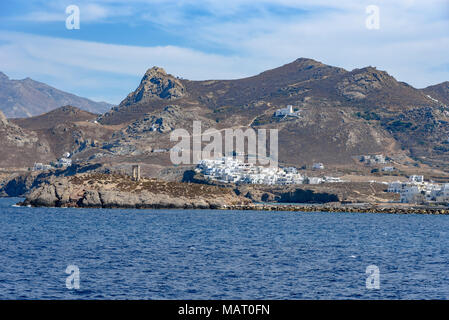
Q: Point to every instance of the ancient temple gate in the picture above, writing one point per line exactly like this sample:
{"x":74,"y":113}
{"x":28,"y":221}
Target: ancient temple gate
{"x":136,"y":172}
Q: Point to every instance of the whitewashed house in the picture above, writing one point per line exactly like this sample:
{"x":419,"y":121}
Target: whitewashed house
{"x":284,"y":111}
{"x":315,"y":180}
{"x":332,"y":179}
{"x":40,"y":166}
{"x":64,"y":162}
{"x":291,"y":170}
{"x":373,"y":159}
{"x":442,"y":194}
{"x":416,"y":179}
{"x":396,"y":186}
{"x":409,"y":194}
{"x":318,"y":166}
{"x":379,"y":158}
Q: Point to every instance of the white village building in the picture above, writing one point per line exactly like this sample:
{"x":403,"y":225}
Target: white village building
{"x":416,"y":190}
{"x":284,"y":111}
{"x":417,"y":179}
{"x":318,"y":166}
{"x":229,"y":169}
{"x":442,"y":194}
{"x":373,"y":159}
{"x":232,"y":170}
{"x":410,"y":194}
{"x":396,"y":186}
{"x":40,"y":166}
{"x":315,"y":180}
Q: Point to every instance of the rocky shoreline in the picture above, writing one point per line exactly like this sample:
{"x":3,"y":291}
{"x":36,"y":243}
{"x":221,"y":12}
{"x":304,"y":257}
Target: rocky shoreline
{"x":47,"y":197}
{"x":116,"y":191}
{"x":341,"y":209}
{"x":106,"y":190}
{"x":107,"y":200}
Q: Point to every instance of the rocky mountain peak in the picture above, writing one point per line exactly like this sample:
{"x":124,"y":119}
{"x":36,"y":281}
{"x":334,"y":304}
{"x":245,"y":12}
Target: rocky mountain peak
{"x":27,"y":97}
{"x":444,"y":86}
{"x":156,"y":84}
{"x":374,"y":73}
{"x":438,"y":92}
{"x":308,"y":62}
{"x":315,"y":67}
{"x":3,"y":76}
{"x":69,"y":109}
{"x":358,"y":83}
{"x":3,"y":120}
{"x":155,"y":71}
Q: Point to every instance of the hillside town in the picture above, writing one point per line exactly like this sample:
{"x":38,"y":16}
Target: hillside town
{"x":63,"y":162}
{"x":232,"y":170}
{"x":416,"y":190}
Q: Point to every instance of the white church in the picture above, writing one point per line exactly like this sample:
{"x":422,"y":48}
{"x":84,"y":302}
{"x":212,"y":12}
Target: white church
{"x":288,"y":111}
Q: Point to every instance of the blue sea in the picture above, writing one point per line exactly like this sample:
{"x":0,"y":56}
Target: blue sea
{"x":208,"y":254}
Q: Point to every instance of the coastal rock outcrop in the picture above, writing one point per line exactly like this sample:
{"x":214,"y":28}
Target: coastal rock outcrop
{"x":44,"y":196}
{"x":17,"y":185}
{"x":115,"y":191}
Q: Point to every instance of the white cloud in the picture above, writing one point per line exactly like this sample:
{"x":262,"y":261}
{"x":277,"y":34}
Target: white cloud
{"x":41,"y":16}
{"x":89,"y":12}
{"x":412,"y":42}
{"x":72,"y":62}
{"x":33,"y":52}
{"x":413,"y":38}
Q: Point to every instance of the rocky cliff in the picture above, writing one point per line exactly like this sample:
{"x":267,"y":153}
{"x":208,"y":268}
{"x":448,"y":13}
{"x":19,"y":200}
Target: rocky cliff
{"x":155,"y":84}
{"x":19,"y":184}
{"x":117,"y":191}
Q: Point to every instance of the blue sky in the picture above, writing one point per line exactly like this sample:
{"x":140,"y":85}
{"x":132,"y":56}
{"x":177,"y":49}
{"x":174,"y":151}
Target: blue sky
{"x":207,"y":39}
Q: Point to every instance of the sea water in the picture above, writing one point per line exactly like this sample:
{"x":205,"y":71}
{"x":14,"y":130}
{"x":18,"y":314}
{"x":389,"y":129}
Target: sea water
{"x":212,"y":254}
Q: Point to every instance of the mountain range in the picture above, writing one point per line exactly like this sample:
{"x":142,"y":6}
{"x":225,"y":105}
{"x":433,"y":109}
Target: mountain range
{"x":27,"y":97}
{"x":342,"y":115}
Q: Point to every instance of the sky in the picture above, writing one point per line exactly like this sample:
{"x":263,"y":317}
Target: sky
{"x":118,"y":40}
